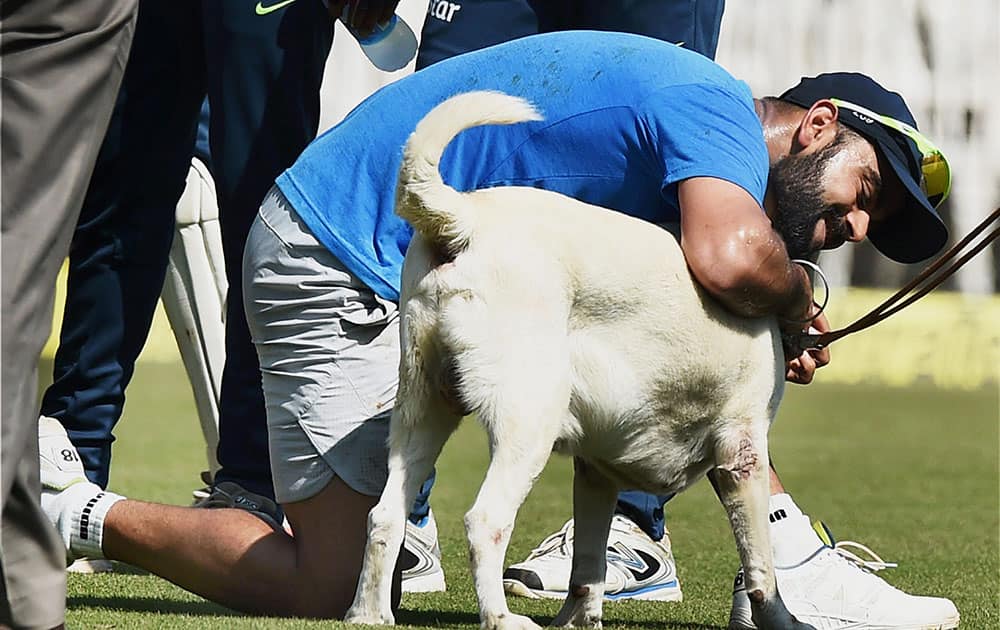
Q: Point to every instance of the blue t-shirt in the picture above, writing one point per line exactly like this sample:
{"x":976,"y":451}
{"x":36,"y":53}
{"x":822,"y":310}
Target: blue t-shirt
{"x":625,"y":119}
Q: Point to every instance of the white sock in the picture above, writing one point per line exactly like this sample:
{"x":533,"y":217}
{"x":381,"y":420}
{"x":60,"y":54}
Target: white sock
{"x":81,"y":520}
{"x":792,"y":536}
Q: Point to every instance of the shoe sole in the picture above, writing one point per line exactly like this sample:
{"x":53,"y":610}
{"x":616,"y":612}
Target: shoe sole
{"x":664,"y":594}
{"x":949,"y":624}
{"x":430,"y":583}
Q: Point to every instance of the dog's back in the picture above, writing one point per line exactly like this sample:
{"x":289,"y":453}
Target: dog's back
{"x":528,"y":290}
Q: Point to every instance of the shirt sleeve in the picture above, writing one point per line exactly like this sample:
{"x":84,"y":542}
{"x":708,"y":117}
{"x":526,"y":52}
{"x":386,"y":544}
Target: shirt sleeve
{"x":706,"y":130}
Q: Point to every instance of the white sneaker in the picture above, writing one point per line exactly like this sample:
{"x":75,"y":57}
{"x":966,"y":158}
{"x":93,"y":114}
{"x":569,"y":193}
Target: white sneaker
{"x":63,"y":479}
{"x":638,"y":567}
{"x":837,"y":589}
{"x":421,"y":558}
{"x":91,"y":565}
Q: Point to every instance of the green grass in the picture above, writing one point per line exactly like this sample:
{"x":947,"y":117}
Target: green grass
{"x":913,"y":473}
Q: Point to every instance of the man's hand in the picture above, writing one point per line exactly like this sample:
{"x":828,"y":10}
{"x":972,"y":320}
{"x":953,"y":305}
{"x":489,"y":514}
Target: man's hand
{"x":363,"y":15}
{"x":801,"y":365}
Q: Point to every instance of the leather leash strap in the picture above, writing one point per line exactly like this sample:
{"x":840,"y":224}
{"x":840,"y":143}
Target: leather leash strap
{"x":929,"y":278}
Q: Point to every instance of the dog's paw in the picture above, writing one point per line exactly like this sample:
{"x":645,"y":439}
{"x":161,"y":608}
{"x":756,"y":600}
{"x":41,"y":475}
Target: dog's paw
{"x":582,"y":609}
{"x":368,"y":618}
{"x":510,"y":622}
{"x":577,"y":619}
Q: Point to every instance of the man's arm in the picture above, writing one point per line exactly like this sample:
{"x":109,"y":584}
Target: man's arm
{"x":735,"y":254}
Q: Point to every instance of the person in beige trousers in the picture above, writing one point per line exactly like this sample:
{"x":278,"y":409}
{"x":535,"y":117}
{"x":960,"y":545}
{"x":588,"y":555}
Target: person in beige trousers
{"x":61,"y":64}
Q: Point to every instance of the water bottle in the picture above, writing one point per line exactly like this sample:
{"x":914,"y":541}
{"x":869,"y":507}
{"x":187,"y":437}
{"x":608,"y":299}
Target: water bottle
{"x":390,"y":46}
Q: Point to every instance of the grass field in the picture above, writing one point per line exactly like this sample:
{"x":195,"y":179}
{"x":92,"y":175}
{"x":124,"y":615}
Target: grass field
{"x":911,"y":472}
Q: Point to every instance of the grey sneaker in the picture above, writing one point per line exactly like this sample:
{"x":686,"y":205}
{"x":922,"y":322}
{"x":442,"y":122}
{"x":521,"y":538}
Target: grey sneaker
{"x":421,"y":558}
{"x":228,"y":494}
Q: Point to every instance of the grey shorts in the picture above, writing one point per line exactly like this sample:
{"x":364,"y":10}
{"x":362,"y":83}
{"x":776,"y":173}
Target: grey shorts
{"x":329,"y":358}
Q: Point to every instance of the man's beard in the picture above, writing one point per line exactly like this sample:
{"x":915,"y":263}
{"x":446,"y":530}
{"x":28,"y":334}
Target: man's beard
{"x":797,"y":184}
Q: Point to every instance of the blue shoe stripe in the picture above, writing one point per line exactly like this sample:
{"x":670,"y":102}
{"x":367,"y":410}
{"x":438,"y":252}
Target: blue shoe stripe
{"x":420,"y":523}
{"x":645,"y":589}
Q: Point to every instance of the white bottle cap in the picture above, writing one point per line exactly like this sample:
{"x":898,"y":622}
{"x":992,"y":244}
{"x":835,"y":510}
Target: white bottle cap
{"x":391,"y":46}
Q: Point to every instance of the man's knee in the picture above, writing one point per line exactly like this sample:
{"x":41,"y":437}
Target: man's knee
{"x":331,"y":530}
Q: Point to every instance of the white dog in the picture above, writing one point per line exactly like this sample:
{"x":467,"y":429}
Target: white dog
{"x":564,"y":326}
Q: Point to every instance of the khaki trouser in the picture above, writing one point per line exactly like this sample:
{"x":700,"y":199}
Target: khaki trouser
{"x":61,"y":62}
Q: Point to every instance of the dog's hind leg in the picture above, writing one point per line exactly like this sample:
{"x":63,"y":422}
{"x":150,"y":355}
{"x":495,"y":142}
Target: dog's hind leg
{"x":740,"y":478}
{"x":516,"y":462}
{"x":421,"y":424}
{"x":593,"y":506}
{"x":522,"y":422}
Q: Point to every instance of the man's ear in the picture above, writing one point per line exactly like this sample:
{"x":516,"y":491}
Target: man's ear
{"x":818,"y":127}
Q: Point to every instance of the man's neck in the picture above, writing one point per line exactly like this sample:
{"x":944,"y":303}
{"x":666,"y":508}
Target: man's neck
{"x":767,"y":115}
{"x":779,"y":130}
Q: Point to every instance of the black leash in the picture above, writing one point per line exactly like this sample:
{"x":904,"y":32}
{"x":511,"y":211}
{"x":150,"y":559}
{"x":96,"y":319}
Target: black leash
{"x":932,"y":276}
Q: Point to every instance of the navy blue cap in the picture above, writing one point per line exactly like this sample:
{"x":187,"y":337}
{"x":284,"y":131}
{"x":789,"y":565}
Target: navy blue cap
{"x":917,"y":231}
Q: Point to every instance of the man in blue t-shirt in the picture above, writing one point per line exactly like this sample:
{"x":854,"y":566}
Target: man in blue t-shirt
{"x":629,"y":123}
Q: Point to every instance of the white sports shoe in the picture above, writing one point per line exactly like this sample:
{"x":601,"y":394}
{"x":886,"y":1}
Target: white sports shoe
{"x":638,"y":567}
{"x":63,"y":479}
{"x":91,"y":565}
{"x":837,"y":589}
{"x":421,"y":558}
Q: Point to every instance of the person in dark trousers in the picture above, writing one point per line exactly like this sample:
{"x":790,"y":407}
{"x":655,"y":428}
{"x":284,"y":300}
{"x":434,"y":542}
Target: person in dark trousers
{"x":453,"y":28}
{"x":62,"y":64}
{"x":260,"y":67}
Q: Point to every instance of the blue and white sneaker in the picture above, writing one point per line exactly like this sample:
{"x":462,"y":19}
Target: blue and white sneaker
{"x":638,"y":566}
{"x":421,"y":557}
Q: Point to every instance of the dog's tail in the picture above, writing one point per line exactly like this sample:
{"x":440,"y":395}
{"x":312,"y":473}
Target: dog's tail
{"x":433,"y":208}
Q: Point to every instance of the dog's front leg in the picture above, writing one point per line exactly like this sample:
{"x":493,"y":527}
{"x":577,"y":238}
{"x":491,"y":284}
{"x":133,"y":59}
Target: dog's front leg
{"x":593,"y":506}
{"x":741,"y":480}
